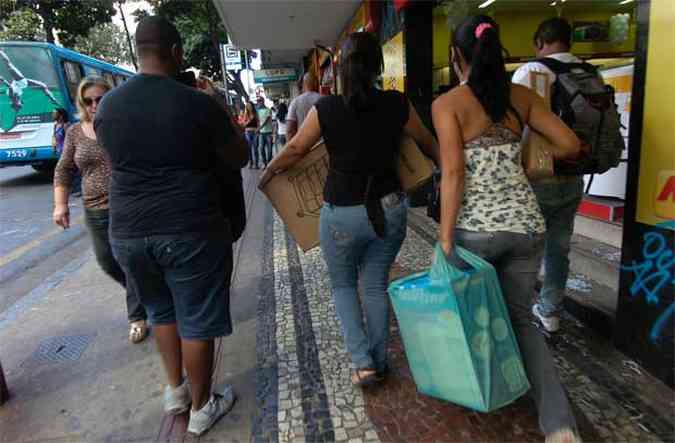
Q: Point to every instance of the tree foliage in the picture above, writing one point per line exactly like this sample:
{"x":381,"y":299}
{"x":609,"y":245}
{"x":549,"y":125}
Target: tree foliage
{"x":202,"y":31}
{"x":106,"y":42}
{"x":22,"y":24}
{"x":69,"y":19}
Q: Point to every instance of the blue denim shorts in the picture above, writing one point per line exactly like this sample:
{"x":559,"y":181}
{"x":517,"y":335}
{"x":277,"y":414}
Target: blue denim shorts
{"x":183,"y":279}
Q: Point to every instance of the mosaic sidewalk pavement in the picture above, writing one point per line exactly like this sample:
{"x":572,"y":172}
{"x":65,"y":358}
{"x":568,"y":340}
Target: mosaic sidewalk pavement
{"x":304,"y":392}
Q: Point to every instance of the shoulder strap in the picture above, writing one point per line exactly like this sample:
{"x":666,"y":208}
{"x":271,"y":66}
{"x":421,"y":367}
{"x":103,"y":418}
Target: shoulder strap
{"x":554,"y":65}
{"x":559,"y":67}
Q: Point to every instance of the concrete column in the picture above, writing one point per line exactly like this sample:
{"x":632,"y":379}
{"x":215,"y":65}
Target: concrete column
{"x":418,"y":35}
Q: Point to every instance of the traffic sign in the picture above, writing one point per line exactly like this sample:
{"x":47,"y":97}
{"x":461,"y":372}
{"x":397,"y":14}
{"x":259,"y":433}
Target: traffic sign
{"x":233,"y":58}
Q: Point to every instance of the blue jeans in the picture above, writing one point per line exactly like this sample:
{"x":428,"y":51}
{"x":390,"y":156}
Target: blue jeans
{"x":265,"y":147}
{"x":558,"y":201}
{"x":516,"y":258}
{"x":352,"y":250}
{"x":253,"y":156}
{"x":281,"y":142}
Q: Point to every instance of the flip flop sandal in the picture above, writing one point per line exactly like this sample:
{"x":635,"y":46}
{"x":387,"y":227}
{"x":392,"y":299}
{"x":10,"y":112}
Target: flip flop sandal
{"x":138,"y":331}
{"x":359,"y":379}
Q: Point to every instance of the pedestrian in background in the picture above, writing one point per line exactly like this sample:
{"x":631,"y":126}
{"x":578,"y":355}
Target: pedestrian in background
{"x":364,"y":218}
{"x":265,"y":127}
{"x":487,"y":203}
{"x":282,"y":112}
{"x":251,"y":128}
{"x":61,"y":124}
{"x":166,"y":214}
{"x":558,"y":196}
{"x":82,"y":152}
{"x":301,"y":105}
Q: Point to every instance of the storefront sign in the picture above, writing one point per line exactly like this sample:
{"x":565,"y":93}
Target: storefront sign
{"x":394,"y":64}
{"x":275,"y":75}
{"x":656,"y":198}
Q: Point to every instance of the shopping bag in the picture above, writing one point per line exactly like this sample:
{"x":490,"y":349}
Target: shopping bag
{"x":457,"y":334}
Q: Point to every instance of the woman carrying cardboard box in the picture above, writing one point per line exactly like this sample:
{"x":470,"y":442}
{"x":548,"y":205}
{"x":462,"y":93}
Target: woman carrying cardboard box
{"x":364,"y":217}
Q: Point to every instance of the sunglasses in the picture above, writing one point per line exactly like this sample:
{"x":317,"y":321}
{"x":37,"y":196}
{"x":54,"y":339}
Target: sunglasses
{"x":88,"y":101}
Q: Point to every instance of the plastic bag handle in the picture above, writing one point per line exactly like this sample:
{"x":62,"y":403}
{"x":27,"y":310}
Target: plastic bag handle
{"x":444,"y":271}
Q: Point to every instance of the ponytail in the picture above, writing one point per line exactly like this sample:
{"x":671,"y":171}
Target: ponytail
{"x":478,"y":40}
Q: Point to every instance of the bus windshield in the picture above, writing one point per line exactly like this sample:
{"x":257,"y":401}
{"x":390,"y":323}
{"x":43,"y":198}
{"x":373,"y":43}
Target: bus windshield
{"x":29,"y":86}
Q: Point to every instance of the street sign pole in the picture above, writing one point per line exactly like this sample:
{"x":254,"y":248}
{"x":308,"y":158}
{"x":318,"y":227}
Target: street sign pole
{"x":248,"y":73}
{"x":224,"y":69}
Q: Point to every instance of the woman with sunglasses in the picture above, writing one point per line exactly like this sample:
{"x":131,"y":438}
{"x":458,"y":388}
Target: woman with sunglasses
{"x":82,"y":152}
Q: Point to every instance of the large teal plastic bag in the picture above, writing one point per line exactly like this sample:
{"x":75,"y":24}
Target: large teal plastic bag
{"x":457,"y":334}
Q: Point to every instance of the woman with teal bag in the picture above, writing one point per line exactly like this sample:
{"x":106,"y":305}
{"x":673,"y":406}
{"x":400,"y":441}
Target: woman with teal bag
{"x":487,"y":203}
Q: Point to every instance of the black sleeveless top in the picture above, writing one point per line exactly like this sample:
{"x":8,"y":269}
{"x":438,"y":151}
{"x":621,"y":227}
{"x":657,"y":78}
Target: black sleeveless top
{"x":362,"y":146}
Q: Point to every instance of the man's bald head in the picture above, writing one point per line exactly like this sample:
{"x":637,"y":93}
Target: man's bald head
{"x":310,"y":83}
{"x":156,"y":36}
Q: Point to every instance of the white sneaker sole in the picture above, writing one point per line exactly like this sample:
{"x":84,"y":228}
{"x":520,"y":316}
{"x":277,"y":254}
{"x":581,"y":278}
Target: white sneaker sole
{"x":213,"y":423}
{"x":177,"y":408}
{"x":177,"y":411}
{"x":548,"y":324}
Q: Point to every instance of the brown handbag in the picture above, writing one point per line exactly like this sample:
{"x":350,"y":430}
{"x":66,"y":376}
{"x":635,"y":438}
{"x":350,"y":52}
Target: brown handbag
{"x":536,"y":156}
{"x":537,"y":159}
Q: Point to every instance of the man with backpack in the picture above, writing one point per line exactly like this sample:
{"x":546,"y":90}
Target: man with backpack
{"x":586,"y":104}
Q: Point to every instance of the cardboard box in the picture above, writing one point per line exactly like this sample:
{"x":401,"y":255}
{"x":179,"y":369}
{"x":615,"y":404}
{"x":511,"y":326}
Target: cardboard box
{"x":297,"y":194}
{"x":536,"y":149}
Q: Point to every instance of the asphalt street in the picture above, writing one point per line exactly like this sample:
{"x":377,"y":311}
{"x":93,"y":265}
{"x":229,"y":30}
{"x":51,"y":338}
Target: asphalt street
{"x":31,"y":246}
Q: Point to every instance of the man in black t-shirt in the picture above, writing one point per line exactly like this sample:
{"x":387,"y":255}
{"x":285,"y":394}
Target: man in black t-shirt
{"x":167,"y":145}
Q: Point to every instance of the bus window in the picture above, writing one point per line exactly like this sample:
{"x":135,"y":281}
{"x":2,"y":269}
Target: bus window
{"x":88,"y":70}
{"x":29,"y":87}
{"x":73,"y":77}
{"x":109,"y":78}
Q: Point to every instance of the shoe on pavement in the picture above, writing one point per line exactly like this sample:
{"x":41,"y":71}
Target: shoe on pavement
{"x":217,"y":406}
{"x":177,"y":400}
{"x":565,"y":435}
{"x":551,"y":323}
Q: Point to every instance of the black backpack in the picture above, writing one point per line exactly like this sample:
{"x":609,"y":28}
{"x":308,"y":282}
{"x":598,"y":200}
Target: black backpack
{"x":587,"y":106}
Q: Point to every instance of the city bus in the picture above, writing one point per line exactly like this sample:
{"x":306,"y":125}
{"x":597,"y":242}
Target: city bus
{"x":35,"y":79}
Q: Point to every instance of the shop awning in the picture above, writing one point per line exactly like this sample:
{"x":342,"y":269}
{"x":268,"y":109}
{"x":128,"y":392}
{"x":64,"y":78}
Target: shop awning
{"x":285,"y":28}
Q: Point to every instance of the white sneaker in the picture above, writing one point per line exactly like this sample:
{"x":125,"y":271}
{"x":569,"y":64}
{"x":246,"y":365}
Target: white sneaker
{"x":565,"y":435}
{"x":217,"y":406}
{"x":177,"y":400}
{"x":550,"y":323}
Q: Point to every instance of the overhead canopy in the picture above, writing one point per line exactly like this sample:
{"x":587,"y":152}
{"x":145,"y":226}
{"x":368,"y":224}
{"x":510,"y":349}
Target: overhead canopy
{"x":287,"y":29}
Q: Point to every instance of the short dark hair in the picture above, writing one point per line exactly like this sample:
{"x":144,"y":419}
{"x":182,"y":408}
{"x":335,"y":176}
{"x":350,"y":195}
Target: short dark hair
{"x":61,"y":113}
{"x":156,"y":35}
{"x":554,"y":30}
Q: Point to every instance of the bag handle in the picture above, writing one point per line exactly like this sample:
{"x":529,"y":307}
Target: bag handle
{"x":444,"y":271}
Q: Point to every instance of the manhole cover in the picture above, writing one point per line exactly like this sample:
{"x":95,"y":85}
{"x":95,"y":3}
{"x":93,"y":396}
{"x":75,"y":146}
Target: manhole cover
{"x":59,"y":349}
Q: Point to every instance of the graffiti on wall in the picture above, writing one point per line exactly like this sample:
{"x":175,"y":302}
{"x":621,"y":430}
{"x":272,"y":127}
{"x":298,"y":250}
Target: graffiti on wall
{"x":654,"y":273}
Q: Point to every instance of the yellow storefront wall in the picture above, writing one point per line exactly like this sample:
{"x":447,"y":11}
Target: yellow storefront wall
{"x":656,"y":186}
{"x":517,"y":29}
